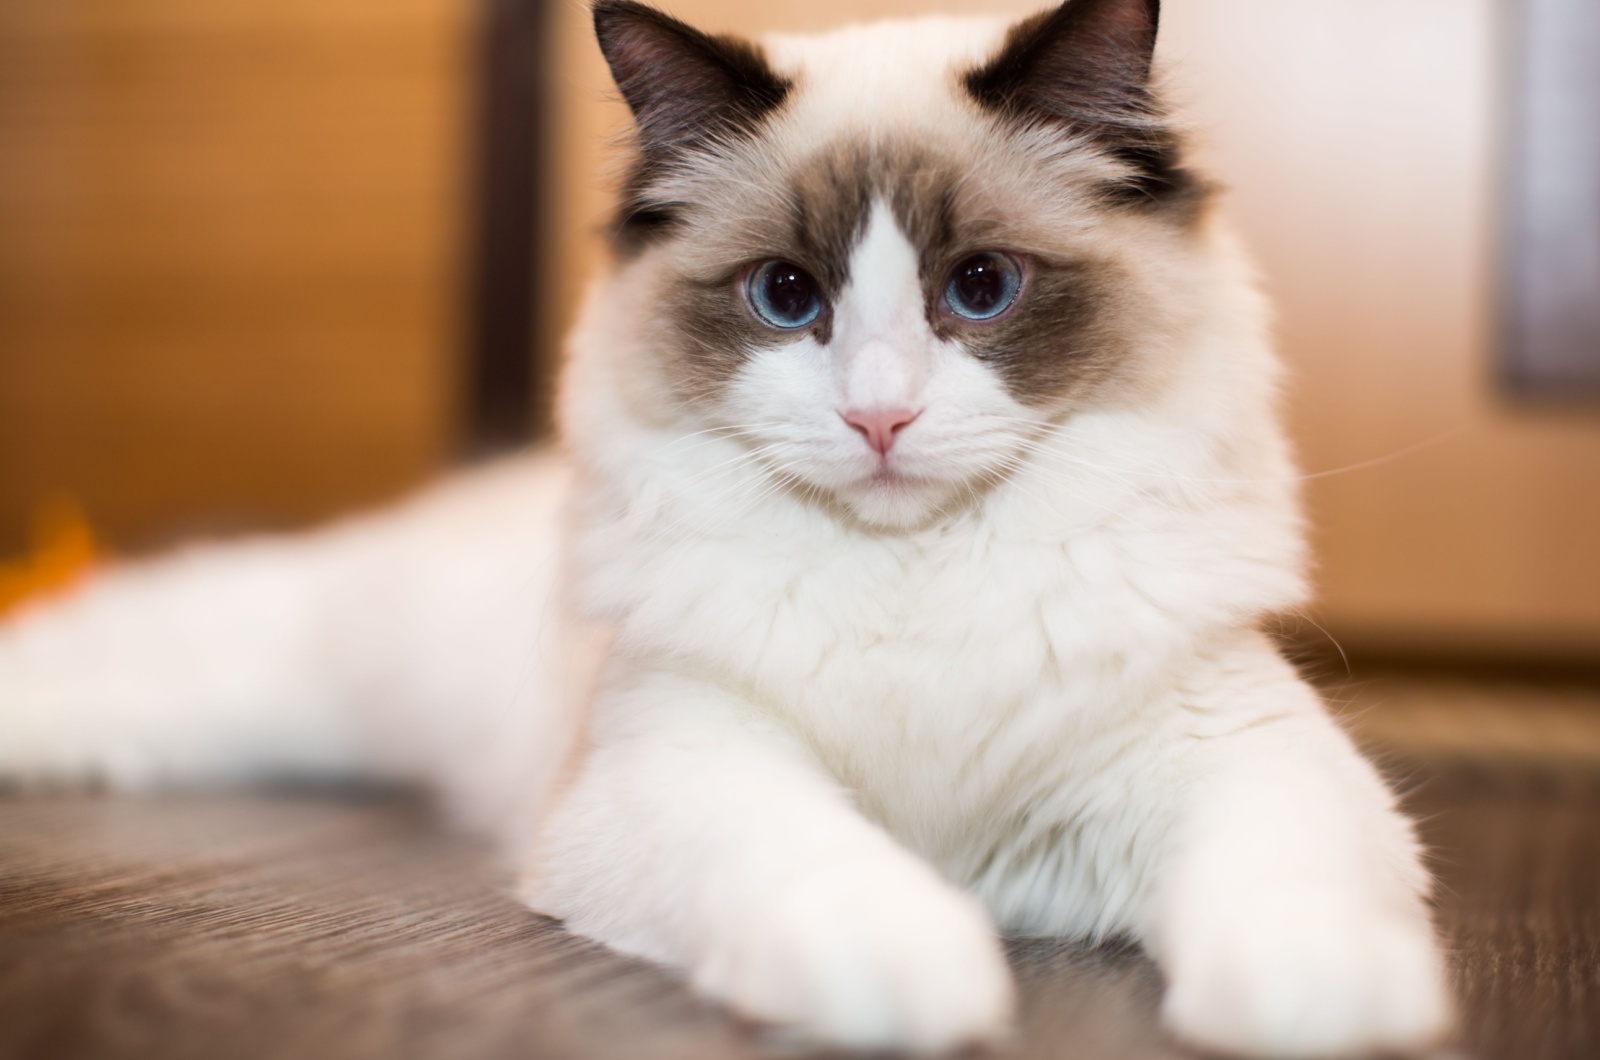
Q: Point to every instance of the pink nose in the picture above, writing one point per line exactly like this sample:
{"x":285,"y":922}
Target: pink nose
{"x":879,"y":426}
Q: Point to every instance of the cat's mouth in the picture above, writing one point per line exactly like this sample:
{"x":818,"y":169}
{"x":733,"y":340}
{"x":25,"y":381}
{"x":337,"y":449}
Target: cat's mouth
{"x":892,"y":498}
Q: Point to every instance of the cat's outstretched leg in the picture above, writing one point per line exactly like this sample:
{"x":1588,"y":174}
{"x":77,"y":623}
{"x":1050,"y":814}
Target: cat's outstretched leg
{"x":198,"y":668}
{"x":1292,"y":916}
{"x":700,"y":836}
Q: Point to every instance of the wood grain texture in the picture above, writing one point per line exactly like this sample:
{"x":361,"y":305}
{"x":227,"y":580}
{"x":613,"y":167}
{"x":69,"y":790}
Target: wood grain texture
{"x":1518,"y":855}
{"x":289,"y":925}
{"x":298,"y":927}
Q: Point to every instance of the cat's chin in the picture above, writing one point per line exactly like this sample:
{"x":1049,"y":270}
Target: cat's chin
{"x":896,"y":503}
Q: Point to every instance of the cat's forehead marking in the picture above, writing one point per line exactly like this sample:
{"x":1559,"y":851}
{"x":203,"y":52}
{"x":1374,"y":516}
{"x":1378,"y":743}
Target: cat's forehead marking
{"x":884,"y":296}
{"x":836,"y":194}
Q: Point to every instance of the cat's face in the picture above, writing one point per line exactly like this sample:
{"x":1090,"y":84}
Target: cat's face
{"x":890,"y":276}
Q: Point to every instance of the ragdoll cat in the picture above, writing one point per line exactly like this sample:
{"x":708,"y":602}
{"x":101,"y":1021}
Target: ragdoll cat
{"x":900,"y":584}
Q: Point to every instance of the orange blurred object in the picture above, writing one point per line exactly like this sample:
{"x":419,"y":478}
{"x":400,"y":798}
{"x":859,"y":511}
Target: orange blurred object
{"x":64,"y":550}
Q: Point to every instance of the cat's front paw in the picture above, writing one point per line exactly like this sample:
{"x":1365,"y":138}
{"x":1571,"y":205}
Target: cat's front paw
{"x":867,"y":960}
{"x":1319,"y":984}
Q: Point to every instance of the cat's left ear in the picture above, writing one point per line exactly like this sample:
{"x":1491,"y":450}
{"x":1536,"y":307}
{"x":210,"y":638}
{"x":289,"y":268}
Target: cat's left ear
{"x":1085,"y":67}
{"x":685,"y":87}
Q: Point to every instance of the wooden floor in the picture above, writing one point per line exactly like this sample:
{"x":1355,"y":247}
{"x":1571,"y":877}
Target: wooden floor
{"x":302,"y":925}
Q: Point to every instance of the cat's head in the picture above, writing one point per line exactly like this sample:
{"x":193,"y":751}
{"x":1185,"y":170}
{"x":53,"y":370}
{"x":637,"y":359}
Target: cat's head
{"x":889,"y":259}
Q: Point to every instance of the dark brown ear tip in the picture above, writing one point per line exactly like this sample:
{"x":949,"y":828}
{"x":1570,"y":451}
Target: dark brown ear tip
{"x":607,"y":13}
{"x":1145,"y":11}
{"x":1152,"y":6}
{"x":607,"y":8}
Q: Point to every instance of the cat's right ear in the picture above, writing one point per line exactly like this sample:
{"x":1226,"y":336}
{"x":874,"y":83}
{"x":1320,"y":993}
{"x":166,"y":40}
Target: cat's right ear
{"x":685,"y":87}
{"x":1084,"y":67}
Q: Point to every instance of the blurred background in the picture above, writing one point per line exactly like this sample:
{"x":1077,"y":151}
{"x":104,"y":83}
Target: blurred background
{"x":265,"y":261}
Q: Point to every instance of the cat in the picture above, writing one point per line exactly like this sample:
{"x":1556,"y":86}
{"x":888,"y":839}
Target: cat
{"x":899,"y":580}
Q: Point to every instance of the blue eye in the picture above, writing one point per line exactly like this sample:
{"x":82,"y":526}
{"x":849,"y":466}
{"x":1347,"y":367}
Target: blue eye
{"x":784,"y":295}
{"x":983,"y":286}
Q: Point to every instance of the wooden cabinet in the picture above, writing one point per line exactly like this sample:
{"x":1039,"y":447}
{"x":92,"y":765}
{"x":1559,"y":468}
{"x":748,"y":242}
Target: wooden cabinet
{"x":229,"y":247}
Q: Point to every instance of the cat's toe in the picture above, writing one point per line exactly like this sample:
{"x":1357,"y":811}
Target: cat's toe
{"x":868,"y":963}
{"x":1317,"y":986}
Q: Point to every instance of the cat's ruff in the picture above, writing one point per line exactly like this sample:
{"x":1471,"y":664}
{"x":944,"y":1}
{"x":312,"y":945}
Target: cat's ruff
{"x":807,"y":710}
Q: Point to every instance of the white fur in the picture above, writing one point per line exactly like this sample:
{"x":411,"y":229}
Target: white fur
{"x":808,"y":724}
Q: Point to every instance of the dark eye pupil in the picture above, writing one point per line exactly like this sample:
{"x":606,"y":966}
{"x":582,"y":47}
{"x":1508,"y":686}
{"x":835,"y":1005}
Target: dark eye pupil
{"x":784,"y":296}
{"x":789,"y":292}
{"x":981,"y":284}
